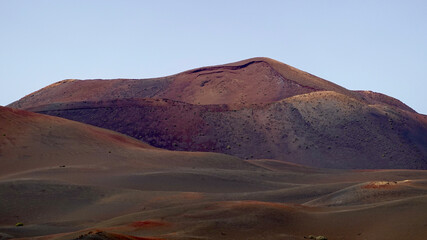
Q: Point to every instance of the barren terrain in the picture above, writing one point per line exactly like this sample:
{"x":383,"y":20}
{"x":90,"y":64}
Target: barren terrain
{"x":68,"y":180}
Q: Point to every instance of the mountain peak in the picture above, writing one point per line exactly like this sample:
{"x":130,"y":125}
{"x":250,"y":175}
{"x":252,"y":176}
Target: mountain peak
{"x":251,"y":81}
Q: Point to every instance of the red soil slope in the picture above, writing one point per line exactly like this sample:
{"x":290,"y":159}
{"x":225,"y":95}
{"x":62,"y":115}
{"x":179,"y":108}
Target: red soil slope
{"x":323,"y":129}
{"x":36,"y":142}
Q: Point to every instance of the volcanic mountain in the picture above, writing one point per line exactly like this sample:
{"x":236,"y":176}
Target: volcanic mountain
{"x":256,"y":108}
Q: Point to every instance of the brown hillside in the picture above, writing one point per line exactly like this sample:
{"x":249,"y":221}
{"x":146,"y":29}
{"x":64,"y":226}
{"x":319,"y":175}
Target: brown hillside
{"x":36,"y":142}
{"x":323,"y":129}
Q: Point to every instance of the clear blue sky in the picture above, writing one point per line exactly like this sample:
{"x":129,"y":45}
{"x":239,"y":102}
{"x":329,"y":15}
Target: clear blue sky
{"x":370,"y":45}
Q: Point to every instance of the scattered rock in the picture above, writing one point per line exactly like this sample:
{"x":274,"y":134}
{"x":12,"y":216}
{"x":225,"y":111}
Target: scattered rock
{"x":321,"y":238}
